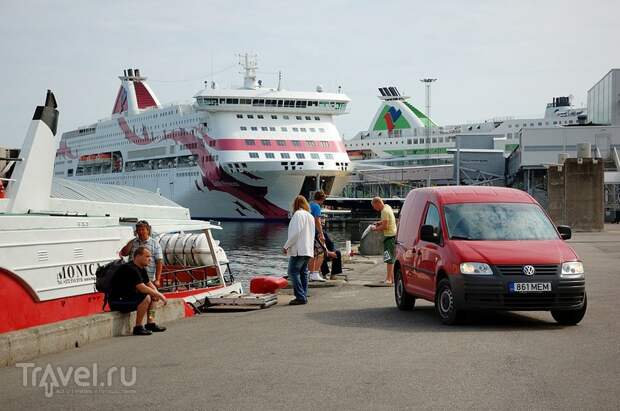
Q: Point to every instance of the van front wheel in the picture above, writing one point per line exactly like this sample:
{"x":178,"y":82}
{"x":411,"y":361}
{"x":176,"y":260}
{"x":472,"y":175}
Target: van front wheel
{"x":404,"y":300}
{"x":444,"y":304}
{"x":571,"y":317}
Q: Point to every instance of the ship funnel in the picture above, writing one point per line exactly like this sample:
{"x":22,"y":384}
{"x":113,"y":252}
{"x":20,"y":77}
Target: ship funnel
{"x":134,"y":94}
{"x":32,"y":187}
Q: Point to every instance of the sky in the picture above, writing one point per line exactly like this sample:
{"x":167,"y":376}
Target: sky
{"x":491,"y":58}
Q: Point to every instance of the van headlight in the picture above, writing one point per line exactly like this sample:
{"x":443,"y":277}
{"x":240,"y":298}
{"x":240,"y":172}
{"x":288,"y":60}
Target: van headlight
{"x":572,"y":269}
{"x":476,"y":269}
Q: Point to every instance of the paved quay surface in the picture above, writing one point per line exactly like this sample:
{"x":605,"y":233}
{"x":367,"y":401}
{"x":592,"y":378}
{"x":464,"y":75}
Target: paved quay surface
{"x":350,"y":348}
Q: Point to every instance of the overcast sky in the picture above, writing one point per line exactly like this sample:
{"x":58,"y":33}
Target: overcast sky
{"x":491,"y":58}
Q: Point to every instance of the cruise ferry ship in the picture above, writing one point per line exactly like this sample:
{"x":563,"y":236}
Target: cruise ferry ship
{"x":228,"y":154}
{"x":400,"y":134}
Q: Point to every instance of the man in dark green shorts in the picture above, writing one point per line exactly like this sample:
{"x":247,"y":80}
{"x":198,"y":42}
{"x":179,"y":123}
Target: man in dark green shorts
{"x":388,"y":226}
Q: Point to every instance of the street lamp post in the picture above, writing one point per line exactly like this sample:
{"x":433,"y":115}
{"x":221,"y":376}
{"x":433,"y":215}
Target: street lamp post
{"x":427,"y":82}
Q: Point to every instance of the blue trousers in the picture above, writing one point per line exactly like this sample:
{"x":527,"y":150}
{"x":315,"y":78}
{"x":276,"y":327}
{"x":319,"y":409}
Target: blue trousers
{"x":298,"y":274}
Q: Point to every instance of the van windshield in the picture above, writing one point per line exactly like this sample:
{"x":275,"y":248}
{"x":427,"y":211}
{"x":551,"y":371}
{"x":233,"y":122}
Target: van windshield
{"x":498,"y":221}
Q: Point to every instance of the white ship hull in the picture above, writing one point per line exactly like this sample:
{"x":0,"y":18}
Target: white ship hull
{"x":205,"y":204}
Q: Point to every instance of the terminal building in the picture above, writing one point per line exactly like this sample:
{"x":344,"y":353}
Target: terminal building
{"x":598,"y":133}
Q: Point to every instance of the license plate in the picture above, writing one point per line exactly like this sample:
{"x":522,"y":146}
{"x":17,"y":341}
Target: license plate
{"x":529,"y":287}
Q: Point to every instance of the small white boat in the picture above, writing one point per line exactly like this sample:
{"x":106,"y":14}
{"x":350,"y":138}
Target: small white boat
{"x":51,"y":245}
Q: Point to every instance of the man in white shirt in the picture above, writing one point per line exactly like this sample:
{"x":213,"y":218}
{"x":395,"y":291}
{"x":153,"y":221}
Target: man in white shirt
{"x":300,"y":248}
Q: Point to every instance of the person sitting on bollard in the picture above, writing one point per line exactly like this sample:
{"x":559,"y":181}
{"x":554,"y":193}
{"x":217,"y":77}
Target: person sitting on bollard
{"x":299,"y":247}
{"x":131,"y":290}
{"x":331,"y":254}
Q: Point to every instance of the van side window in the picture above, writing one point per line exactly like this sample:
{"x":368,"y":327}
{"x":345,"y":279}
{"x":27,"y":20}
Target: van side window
{"x":432,"y":218}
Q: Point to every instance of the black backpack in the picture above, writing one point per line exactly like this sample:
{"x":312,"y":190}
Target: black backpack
{"x":104,"y":276}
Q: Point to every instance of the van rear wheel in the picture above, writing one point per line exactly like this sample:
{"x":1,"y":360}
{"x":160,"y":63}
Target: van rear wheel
{"x":572,"y":317}
{"x":404,"y":300}
{"x":444,"y":304}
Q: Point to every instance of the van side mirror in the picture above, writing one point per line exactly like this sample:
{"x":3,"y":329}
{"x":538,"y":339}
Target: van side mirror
{"x":427,"y":233}
{"x":565,"y":232}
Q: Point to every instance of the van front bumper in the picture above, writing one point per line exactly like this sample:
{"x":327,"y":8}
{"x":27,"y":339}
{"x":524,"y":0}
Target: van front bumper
{"x":473,"y":292}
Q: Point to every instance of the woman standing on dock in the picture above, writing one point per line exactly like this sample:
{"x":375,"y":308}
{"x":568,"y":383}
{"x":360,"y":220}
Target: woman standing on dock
{"x":300,"y":248}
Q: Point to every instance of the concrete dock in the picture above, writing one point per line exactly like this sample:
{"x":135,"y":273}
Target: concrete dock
{"x":350,"y":348}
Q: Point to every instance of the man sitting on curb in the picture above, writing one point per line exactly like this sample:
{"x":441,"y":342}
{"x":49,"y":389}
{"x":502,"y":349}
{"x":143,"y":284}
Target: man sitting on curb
{"x":132,"y":290}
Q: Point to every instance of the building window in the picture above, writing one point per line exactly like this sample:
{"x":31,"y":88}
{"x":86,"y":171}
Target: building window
{"x":329,"y":156}
{"x":308,"y":118}
{"x":281,"y":142}
{"x":296,"y":142}
{"x":239,"y":115}
{"x":250,"y":116}
{"x":295,"y":129}
{"x":270,"y":155}
{"x":311,"y":143}
{"x":253,"y":155}
{"x":283,"y":128}
{"x":312,"y":129}
{"x":265,"y":142}
{"x":264,"y":129}
{"x":249,"y":142}
{"x":317,"y":118}
{"x":259,"y":116}
{"x":274,"y":117}
{"x":285,"y":117}
{"x":272,"y":129}
{"x":300,"y":156}
{"x":314,"y":156}
{"x":321,"y":129}
{"x":303,"y":129}
{"x":285,"y":155}
{"x":254,"y":128}
{"x":243,"y":128}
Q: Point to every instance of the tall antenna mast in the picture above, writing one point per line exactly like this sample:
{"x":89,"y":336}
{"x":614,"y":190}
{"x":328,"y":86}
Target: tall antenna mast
{"x":249,"y":65}
{"x":427,"y":82}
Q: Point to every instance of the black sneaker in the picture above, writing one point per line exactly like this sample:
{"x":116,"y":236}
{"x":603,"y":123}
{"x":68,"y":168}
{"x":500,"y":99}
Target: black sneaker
{"x":140,"y":330}
{"x":297,"y":302}
{"x":155,"y":328}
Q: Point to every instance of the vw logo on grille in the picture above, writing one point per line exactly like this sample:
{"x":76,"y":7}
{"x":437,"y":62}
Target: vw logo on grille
{"x":529,"y":270}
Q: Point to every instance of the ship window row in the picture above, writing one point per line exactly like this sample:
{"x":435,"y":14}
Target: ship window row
{"x":284,"y":117}
{"x":539,"y":123}
{"x":413,"y":141}
{"x":282,"y":143}
{"x":285,"y":156}
{"x":285,"y":129}
{"x":260,"y":102}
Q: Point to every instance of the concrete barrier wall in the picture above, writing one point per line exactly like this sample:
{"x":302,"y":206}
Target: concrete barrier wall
{"x":23,"y":345}
{"x":575,"y":192}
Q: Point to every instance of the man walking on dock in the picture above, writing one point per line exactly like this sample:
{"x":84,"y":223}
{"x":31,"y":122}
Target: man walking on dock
{"x":388,"y":226}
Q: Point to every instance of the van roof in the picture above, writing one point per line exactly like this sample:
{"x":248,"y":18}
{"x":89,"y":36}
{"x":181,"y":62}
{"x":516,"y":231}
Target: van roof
{"x":477,"y":194}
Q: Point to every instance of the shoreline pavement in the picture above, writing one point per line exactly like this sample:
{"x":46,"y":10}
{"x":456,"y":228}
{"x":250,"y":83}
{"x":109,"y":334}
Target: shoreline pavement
{"x":350,"y":348}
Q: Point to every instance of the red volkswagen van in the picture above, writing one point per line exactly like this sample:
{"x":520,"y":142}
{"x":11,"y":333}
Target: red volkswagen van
{"x":472,"y":248}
